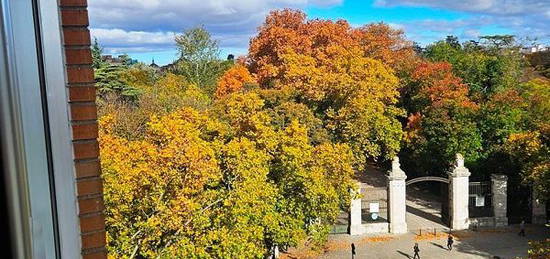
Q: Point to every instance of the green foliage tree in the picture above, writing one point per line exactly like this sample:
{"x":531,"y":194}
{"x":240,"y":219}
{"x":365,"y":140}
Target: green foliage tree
{"x":530,"y":149}
{"x":97,"y":52}
{"x":442,"y":121}
{"x":199,"y":60}
{"x":485,"y":68}
{"x":109,"y":79}
{"x":498,"y":42}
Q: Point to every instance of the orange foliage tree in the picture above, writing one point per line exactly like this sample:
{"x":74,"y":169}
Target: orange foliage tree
{"x":328,"y":66}
{"x":382,"y":42}
{"x":233,"y":80}
{"x":289,"y":30}
{"x":437,"y":86}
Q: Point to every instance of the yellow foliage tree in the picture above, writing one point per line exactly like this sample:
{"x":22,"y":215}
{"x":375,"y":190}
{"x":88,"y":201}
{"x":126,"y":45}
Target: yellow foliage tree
{"x":225,"y":183}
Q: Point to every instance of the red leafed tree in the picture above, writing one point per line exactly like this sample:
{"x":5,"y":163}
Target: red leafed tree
{"x":437,"y":86}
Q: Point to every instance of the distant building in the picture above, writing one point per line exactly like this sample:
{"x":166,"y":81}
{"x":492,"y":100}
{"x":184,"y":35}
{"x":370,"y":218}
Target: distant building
{"x":119,"y":60}
{"x":534,"y":49}
{"x":168,"y":68}
{"x":154,"y":65}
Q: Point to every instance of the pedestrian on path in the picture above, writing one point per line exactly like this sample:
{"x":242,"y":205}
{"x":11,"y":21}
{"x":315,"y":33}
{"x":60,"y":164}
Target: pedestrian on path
{"x":450,"y":242}
{"x":522,"y":228}
{"x":416,"y":251}
{"x":352,"y":251}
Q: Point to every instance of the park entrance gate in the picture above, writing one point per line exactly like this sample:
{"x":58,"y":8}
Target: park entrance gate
{"x":459,"y":199}
{"x":444,"y":193}
{"x":458,"y":196}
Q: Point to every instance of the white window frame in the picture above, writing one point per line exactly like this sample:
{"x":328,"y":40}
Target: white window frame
{"x":32,"y":70}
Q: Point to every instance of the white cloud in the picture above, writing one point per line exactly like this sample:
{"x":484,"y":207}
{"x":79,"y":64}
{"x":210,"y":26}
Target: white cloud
{"x":121,"y":41}
{"x":118,"y":36}
{"x":123,"y":23}
{"x":471,"y":33}
{"x":523,"y":18}
{"x":499,"y":7}
{"x":149,"y":25}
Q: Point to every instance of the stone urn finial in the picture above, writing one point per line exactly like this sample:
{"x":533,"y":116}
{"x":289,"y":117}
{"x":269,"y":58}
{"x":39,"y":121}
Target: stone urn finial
{"x":395,"y":163}
{"x":396,"y":172}
{"x":460,"y":169}
{"x":459,"y":160}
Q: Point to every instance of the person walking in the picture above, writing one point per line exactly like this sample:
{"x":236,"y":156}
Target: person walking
{"x":352,"y":251}
{"x":450,"y":242}
{"x":416,"y":251}
{"x":522,"y":228}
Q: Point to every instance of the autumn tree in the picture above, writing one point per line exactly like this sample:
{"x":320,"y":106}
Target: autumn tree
{"x":151,"y":190}
{"x":228,"y":182}
{"x":389,"y":45}
{"x":441,"y":122}
{"x":531,"y":147}
{"x":313,"y":181}
{"x":233,"y":80}
{"x":336,"y":75}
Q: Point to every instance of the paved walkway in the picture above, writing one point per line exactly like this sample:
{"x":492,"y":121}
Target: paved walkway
{"x":485,"y":243}
{"x":423,"y":209}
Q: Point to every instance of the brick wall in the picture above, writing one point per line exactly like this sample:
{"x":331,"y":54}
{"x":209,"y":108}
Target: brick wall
{"x":83,"y":112}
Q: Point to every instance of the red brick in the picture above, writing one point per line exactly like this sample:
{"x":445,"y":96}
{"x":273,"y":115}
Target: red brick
{"x":86,"y":111}
{"x":74,"y":17}
{"x":82,"y":94}
{"x":80,"y":74}
{"x":93,"y":240}
{"x":84,"y":150}
{"x":96,"y":255}
{"x":82,"y":3}
{"x":91,"y":205}
{"x":89,"y":186}
{"x":80,"y":36}
{"x":80,"y":78}
{"x":85,"y":131}
{"x":92,"y":223}
{"x":87,"y":168}
{"x":78,"y":56}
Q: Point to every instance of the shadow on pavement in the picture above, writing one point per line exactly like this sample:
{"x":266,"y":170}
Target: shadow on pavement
{"x":404,"y":254}
{"x":424,"y":214}
{"x":438,"y":245}
{"x":508,"y":244}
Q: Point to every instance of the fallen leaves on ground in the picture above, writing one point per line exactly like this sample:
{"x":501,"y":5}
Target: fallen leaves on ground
{"x":432,"y":236}
{"x":377,"y":239}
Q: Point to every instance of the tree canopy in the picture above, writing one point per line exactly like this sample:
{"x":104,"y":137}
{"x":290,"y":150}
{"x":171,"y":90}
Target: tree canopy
{"x":217,"y":158}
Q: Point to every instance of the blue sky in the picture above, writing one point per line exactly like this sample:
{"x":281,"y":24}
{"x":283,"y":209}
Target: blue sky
{"x":145,"y":29}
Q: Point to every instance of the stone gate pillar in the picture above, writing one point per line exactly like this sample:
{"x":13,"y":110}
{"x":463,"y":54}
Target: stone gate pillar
{"x":397,"y":208}
{"x":538,"y":206}
{"x":355,"y":224}
{"x":499,"y":184}
{"x":458,"y":195}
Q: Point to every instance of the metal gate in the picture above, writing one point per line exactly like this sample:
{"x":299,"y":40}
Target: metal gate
{"x":480,"y":202}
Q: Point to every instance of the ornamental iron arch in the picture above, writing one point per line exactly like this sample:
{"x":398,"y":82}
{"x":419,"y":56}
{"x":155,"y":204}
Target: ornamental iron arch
{"x":428,"y":178}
